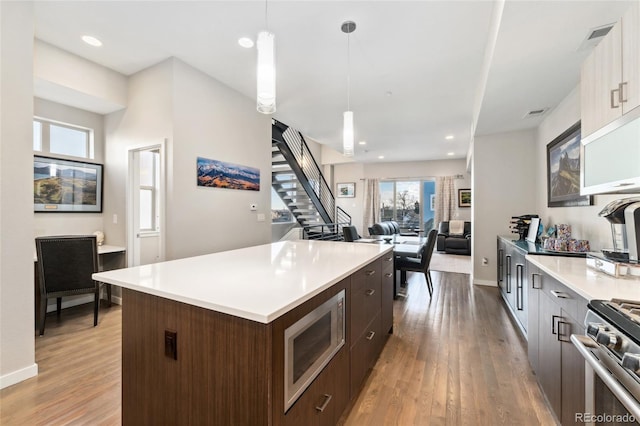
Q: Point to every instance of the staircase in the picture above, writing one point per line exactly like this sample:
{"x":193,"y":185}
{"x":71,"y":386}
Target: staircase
{"x":299,"y":182}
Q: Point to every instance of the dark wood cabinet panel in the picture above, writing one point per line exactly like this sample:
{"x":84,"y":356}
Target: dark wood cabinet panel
{"x":533,"y":314}
{"x":387,"y":294}
{"x":549,"y":373}
{"x":572,"y":373}
{"x":229,"y":370}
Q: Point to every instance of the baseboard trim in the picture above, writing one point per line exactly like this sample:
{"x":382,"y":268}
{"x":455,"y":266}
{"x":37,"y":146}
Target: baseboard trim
{"x":487,"y":283}
{"x":117,"y":300}
{"x":18,"y":376}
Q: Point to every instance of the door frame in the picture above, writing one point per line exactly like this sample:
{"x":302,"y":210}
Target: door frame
{"x":131,"y":193}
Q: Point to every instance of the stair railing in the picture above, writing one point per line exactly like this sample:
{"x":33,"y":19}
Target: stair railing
{"x":297,"y":153}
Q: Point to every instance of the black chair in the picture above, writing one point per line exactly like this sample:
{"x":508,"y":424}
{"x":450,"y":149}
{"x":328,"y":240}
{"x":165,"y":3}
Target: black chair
{"x":350,"y":233}
{"x":421,"y":264}
{"x":454,"y":244}
{"x":65,"y":265}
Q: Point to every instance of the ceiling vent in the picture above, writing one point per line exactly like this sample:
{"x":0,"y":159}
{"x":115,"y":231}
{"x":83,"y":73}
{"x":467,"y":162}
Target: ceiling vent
{"x":594,"y":35}
{"x":535,"y":113}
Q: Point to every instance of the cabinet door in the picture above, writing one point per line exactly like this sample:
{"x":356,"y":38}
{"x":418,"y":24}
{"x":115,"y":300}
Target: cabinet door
{"x":601,"y":75}
{"x":510,"y":278}
{"x":500,"y":272}
{"x":572,"y":371}
{"x":549,"y":352}
{"x":630,"y":58}
{"x":520,"y":288}
{"x":533,"y":314}
{"x":387,"y":294}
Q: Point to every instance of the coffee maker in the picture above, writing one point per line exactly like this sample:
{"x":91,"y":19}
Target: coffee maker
{"x":624,"y":216}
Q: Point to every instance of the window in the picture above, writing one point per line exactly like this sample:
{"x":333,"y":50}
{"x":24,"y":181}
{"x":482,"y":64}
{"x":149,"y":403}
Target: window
{"x":404,"y":202}
{"x":62,"y":139}
{"x":280,"y":213}
{"x":148,"y":191}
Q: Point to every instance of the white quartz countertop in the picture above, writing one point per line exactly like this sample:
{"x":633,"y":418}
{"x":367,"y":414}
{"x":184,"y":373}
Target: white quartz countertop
{"x":589,"y":283}
{"x":258,"y":283}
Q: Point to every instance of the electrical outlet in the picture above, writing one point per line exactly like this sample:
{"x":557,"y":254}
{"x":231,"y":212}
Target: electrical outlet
{"x":485,"y":261}
{"x":261,"y":217}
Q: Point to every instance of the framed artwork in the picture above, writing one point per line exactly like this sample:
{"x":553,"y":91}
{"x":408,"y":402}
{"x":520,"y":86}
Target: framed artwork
{"x":563,"y":170}
{"x":346,"y":190}
{"x":464,"y":198}
{"x":66,"y":186}
{"x":218,"y":174}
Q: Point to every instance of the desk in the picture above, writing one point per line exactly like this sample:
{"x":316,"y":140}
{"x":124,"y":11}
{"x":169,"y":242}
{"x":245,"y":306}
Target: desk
{"x":109,"y":258}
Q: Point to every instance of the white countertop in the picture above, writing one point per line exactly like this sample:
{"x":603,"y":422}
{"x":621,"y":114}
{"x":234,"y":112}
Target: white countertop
{"x":589,"y":283}
{"x":258,"y":283}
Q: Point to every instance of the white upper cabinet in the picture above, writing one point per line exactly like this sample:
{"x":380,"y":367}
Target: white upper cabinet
{"x":610,"y":78}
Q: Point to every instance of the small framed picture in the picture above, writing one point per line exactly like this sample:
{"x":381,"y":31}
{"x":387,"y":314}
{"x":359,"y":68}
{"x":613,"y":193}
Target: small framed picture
{"x":346,"y":190}
{"x":464,"y":198}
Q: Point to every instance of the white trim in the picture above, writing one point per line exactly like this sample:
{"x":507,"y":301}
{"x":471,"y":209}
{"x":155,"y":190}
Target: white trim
{"x":488,"y":283}
{"x":18,"y":376}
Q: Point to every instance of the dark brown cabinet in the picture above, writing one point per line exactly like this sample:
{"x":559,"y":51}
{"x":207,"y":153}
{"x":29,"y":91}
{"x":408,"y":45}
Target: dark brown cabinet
{"x":512,"y":280}
{"x":553,"y":313}
{"x":230,"y":370}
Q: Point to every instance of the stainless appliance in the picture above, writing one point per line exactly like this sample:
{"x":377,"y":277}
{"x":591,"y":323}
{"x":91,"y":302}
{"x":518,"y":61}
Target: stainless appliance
{"x":624,"y":216}
{"x":310,"y":343}
{"x":611,"y":349}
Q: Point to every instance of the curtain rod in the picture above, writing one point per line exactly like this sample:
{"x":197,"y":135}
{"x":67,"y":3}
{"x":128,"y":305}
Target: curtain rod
{"x":458,"y":176}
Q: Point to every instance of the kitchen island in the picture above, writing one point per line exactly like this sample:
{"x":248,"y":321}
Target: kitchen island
{"x":204,"y":337}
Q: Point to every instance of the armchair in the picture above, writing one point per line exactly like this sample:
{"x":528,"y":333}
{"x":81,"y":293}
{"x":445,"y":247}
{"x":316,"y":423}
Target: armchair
{"x":459,"y":243}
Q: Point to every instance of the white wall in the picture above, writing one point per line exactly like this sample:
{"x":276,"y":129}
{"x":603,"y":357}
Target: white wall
{"x":357,"y":172}
{"x":63,"y":77}
{"x":17,"y":348}
{"x":505,"y":182}
{"x":213,"y":121}
{"x":70,"y":223}
{"x":585,"y":222}
{"x":198,"y":116}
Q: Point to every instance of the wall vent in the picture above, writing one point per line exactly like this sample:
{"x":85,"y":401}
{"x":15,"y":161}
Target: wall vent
{"x":594,"y":35}
{"x":535,"y":113}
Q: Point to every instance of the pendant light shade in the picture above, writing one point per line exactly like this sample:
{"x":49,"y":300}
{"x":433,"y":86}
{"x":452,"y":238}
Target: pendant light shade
{"x":266,"y":96}
{"x":348,"y":27}
{"x":347,"y":134}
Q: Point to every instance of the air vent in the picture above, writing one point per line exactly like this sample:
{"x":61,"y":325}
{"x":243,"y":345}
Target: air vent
{"x":535,"y":113}
{"x":594,"y":35}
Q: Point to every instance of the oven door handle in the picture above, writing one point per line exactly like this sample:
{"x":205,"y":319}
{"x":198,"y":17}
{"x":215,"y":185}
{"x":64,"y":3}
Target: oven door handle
{"x":581,"y":342}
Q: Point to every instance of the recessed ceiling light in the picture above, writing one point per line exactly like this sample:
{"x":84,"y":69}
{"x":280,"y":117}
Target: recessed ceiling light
{"x":380,"y":157}
{"x":362,"y":143}
{"x":245,"y":42}
{"x":449,"y":137}
{"x":450,"y":153}
{"x":388,"y":93}
{"x":92,"y":41}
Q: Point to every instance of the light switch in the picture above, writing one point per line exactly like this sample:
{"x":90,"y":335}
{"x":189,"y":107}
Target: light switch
{"x":115,"y":219}
{"x":260,"y":217}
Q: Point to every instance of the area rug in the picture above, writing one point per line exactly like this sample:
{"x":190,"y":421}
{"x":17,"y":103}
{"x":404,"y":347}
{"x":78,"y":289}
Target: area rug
{"x":450,"y":263}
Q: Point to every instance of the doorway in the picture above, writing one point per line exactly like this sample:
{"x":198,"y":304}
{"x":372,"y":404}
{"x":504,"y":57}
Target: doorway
{"x":146,"y":206}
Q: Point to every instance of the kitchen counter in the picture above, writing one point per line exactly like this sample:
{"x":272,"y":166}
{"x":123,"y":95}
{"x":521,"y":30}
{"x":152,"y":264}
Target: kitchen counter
{"x":257,"y":283}
{"x":587,"y":282}
{"x":531,"y":248}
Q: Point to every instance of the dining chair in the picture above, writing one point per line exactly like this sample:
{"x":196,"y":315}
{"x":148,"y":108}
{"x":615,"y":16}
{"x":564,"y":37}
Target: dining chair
{"x":420,"y":264}
{"x":65,"y":266}
{"x":350,"y":233}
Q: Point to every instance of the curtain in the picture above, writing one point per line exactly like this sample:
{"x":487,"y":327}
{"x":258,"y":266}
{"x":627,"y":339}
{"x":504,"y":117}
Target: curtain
{"x":371,"y":204}
{"x":445,"y":199}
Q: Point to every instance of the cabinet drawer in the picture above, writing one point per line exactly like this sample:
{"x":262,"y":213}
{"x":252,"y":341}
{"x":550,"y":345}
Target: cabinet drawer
{"x":570,"y":302}
{"x":364,"y":354}
{"x":324,"y":401}
{"x":365,"y":298}
{"x":387,"y":263}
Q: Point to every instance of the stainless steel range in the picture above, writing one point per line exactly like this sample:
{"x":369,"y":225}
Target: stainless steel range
{"x":611,"y":349}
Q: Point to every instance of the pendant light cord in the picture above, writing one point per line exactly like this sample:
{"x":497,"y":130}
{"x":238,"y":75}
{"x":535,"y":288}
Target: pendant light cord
{"x":348,"y":72}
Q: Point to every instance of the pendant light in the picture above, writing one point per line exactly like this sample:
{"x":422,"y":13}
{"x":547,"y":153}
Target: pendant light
{"x":266,"y":80}
{"x":347,"y":131}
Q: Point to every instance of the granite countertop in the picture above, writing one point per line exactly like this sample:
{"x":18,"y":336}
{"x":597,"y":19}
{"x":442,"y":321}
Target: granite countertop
{"x":258,"y":283}
{"x":589,"y":283}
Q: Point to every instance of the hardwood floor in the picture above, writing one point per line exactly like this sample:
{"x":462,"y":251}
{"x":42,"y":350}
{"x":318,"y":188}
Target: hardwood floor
{"x":456,"y":359}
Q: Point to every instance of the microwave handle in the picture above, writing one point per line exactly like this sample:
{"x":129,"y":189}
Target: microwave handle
{"x":581,"y":342}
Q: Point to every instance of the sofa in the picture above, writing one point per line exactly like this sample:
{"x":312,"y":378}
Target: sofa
{"x":454,"y":243}
{"x":388,"y":227}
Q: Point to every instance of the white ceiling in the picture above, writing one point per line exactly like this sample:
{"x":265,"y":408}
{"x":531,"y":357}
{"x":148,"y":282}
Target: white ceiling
{"x":416,"y":66}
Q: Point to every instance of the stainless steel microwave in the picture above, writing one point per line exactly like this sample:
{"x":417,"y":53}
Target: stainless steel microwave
{"x":309,"y":345}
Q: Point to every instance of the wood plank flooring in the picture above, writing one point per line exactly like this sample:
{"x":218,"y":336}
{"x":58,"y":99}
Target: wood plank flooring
{"x":453,"y":360}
